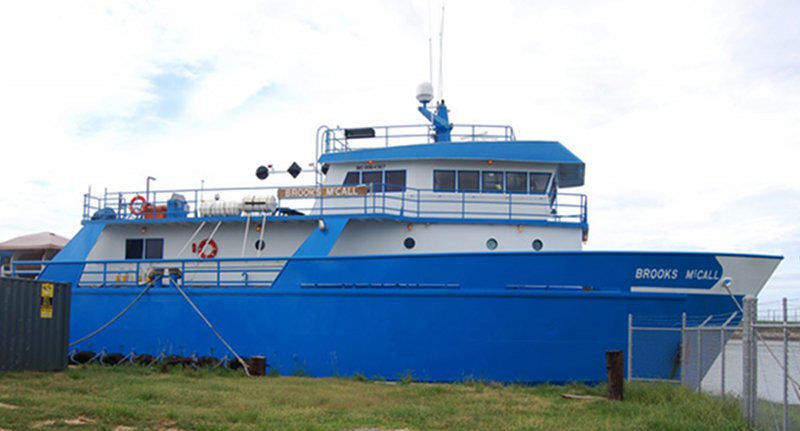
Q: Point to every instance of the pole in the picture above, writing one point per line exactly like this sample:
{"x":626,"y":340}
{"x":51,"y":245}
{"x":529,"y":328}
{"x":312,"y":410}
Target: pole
{"x":147,"y":193}
{"x":630,"y":346}
{"x":722,"y":359}
{"x":683,"y":348}
{"x":785,"y":366}
{"x":700,"y":358}
{"x":615,"y":374}
{"x":749,"y":362}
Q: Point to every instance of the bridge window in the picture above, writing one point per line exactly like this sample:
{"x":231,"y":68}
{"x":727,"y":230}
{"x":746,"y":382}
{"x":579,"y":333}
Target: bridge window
{"x":539,"y":182}
{"x":444,"y":181}
{"x":468,"y":181}
{"x":395,"y":181}
{"x":492,"y":182}
{"x":375,"y":178}
{"x":352,"y":178}
{"x":149,"y":248}
{"x":516,"y":182}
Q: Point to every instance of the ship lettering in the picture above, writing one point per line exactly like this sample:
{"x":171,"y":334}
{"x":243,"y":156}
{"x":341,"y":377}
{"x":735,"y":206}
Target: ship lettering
{"x":702,"y":274}
{"x":656,"y":273}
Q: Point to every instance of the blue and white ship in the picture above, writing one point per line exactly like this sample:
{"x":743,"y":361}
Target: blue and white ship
{"x":441,"y":251}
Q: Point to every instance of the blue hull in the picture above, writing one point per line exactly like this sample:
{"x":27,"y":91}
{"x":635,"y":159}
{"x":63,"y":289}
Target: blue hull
{"x":436,"y":317}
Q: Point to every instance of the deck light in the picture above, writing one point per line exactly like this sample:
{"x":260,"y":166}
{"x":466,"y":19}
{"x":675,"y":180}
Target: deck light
{"x":490,"y":161}
{"x":410,"y":226}
{"x":144,"y":230}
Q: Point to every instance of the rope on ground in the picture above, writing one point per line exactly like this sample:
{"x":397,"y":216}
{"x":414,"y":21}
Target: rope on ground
{"x":197,"y":310}
{"x":149,"y":285}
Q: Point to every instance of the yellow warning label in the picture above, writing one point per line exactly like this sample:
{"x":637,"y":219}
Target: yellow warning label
{"x":46,"y":311}
{"x":46,"y":303}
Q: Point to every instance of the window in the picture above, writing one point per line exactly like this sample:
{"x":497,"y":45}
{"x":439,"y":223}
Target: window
{"x":468,"y":181}
{"x":154,"y":248}
{"x":539,"y":182}
{"x":150,"y":248}
{"x":134,"y":248}
{"x":375,"y":178}
{"x":444,"y":181}
{"x":492,"y":182}
{"x":517,"y":182}
{"x":352,"y":178}
{"x":395,"y":181}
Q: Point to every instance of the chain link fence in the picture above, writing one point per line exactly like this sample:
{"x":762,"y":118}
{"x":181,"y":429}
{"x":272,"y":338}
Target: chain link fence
{"x":735,"y":355}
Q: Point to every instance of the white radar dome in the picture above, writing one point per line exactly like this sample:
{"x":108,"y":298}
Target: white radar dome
{"x":425,"y":92}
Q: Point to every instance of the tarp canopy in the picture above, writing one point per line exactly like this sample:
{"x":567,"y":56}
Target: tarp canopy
{"x":35,"y":241}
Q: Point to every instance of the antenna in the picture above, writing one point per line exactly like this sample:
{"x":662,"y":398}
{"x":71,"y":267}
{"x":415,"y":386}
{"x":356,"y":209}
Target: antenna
{"x":441,"y":38}
{"x":430,"y":43}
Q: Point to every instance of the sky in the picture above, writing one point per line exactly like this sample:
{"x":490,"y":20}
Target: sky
{"x":686,"y":113}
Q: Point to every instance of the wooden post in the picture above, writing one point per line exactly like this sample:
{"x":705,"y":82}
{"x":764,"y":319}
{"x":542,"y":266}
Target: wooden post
{"x":258,"y":366}
{"x":616,"y":374}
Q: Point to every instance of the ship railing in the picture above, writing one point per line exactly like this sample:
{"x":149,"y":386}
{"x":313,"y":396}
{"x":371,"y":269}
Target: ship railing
{"x":430,"y":204}
{"x":251,"y":272}
{"x":379,"y":199}
{"x":346,"y":139}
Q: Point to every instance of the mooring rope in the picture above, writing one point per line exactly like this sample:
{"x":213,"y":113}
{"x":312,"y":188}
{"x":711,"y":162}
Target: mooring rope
{"x":149,"y":285}
{"x":733,"y":298}
{"x":199,"y":313}
{"x":197,"y":310}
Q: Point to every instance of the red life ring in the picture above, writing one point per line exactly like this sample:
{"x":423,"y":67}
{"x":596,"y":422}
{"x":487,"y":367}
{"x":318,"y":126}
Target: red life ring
{"x":137,"y":204}
{"x":209,"y":251}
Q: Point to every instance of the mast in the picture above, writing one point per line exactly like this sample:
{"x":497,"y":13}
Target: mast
{"x":439,"y":118}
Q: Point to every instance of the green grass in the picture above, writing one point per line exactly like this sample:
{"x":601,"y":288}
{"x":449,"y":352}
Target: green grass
{"x":142,"y":398}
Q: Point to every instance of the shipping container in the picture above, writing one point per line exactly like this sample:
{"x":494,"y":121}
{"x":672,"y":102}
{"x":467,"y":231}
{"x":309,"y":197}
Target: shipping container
{"x":34,"y":324}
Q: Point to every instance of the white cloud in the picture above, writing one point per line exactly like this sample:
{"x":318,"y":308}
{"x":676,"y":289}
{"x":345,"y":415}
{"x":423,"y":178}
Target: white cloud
{"x":685,"y":112}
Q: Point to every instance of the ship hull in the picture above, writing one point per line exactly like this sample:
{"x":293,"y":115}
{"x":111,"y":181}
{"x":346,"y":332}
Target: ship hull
{"x":513,"y":317}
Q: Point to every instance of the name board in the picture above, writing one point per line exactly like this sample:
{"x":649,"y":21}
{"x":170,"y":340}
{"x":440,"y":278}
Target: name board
{"x":322,"y":192}
{"x":674,"y":273}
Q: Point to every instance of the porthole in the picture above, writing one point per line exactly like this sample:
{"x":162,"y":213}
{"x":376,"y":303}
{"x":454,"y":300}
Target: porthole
{"x":491,"y":243}
{"x":260,"y":244}
{"x":537,"y":244}
{"x":409,"y":243}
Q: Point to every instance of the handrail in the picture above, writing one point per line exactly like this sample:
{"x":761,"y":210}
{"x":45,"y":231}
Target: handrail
{"x":392,"y":200}
{"x":248,"y":272}
{"x":336,"y":139}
